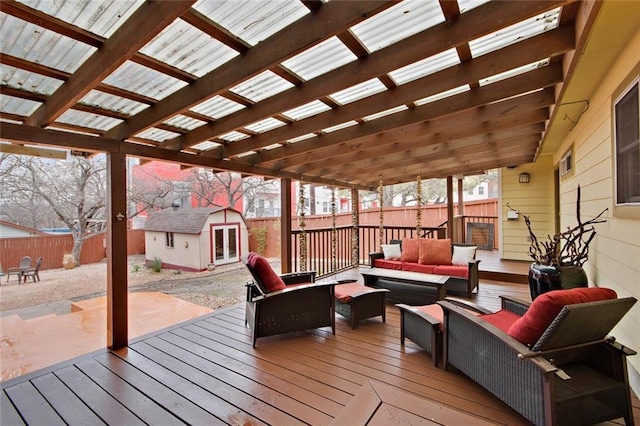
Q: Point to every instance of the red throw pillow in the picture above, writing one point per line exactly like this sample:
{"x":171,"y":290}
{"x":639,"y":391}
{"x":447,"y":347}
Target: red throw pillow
{"x":434,"y":252}
{"x":547,"y":306}
{"x":269,"y":278}
{"x":410,"y":250}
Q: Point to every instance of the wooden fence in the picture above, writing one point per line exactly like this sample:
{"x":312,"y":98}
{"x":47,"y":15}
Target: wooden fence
{"x":53,"y":247}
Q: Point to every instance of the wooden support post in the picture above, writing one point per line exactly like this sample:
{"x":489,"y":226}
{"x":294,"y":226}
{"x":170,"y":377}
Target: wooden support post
{"x":449,"y":206}
{"x":460,"y":197}
{"x":285,"y":225}
{"x":117,"y":303}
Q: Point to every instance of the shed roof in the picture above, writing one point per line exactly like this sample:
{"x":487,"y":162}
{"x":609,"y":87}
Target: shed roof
{"x":183,"y":220}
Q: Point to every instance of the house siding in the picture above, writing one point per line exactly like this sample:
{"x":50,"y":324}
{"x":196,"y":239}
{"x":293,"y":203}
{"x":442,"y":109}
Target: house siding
{"x":534,"y":199}
{"x":614,"y":257}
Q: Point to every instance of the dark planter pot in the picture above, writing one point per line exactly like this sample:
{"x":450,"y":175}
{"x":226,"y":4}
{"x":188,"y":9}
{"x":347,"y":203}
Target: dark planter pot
{"x":544,"y":278}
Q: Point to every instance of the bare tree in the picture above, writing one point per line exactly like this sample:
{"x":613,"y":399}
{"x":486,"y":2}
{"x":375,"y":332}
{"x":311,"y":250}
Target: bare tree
{"x":72,"y":193}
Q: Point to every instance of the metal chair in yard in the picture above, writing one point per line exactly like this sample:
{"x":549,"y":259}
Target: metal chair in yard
{"x":25,"y":264}
{"x":33,"y":272}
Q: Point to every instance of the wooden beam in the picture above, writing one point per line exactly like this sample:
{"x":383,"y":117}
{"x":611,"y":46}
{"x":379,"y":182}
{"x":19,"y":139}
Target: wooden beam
{"x":207,"y":26}
{"x":28,"y":134}
{"x":525,"y":52}
{"x":309,"y":30}
{"x":450,"y":206}
{"x":146,"y":22}
{"x":504,"y":89}
{"x":429,"y":42}
{"x":117,"y":266}
{"x":56,"y":154}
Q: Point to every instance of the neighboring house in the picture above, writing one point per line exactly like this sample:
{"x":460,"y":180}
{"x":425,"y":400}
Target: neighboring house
{"x":600,"y":151}
{"x":194,"y":239}
{"x":13,"y":230}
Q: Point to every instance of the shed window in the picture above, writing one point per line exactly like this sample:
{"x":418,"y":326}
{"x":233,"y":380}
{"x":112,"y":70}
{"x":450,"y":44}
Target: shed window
{"x":168,"y":237}
{"x":627,"y":146}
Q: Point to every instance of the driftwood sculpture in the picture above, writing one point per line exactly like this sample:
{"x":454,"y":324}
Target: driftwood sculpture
{"x":570,"y":247}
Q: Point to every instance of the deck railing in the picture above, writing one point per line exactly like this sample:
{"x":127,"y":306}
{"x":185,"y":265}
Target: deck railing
{"x":320,"y":257}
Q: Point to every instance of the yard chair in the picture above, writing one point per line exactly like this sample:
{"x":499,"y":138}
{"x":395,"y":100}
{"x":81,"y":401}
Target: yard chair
{"x":286,"y":303}
{"x":33,"y":272}
{"x":551,"y":360}
{"x":25,"y":264}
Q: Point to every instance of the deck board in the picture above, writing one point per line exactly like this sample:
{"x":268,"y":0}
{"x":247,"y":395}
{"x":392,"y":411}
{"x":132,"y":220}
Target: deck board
{"x":206,"y":371}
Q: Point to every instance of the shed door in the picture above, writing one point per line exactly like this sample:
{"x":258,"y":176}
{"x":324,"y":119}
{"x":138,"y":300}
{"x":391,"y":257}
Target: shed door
{"x":225,"y":244}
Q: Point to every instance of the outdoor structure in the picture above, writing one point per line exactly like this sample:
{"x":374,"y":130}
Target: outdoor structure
{"x":12,"y":230}
{"x":348,"y":94}
{"x":194,"y":239}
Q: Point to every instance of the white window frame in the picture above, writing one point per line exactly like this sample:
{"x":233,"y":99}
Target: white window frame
{"x":634,"y":84}
{"x":566,"y":162}
{"x":169,"y":240}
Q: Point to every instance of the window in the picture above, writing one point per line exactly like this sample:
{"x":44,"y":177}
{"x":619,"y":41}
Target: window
{"x":481,"y":190}
{"x":566,"y":162}
{"x":251,"y":207}
{"x":168,"y":238}
{"x":325,"y":207}
{"x":627,"y":146}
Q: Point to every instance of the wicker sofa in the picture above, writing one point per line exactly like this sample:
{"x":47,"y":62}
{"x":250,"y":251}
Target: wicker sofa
{"x":551,"y":360}
{"x":464,"y":277}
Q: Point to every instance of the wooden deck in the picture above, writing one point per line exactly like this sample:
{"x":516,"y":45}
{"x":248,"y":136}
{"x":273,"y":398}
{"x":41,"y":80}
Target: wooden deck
{"x":205,"y":372}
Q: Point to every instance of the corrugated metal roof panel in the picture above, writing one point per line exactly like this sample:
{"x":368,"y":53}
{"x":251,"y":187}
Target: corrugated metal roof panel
{"x":467,"y":5}
{"x":145,"y":81}
{"x":397,"y":23}
{"x":86,"y":119}
{"x":265,"y":125}
{"x":262,"y":86}
{"x":340,"y":126}
{"x":515,"y":33}
{"x":204,"y":146}
{"x":307,"y":110}
{"x":320,"y":59}
{"x":252,"y":21}
{"x":516,"y":71}
{"x":184,"y":122}
{"x":303,"y":137}
{"x":425,"y":67}
{"x":29,"y":81}
{"x":189,"y":49}
{"x":217,"y":107}
{"x":385,"y":113}
{"x":443,"y":95}
{"x":36,"y":44}
{"x":101,"y":17}
{"x":157,"y":135}
{"x":233,"y":136}
{"x":17,"y":106}
{"x":112,"y":102}
{"x":359,"y":91}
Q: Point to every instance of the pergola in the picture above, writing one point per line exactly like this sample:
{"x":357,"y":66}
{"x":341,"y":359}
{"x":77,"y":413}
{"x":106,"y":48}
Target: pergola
{"x":339,"y":93}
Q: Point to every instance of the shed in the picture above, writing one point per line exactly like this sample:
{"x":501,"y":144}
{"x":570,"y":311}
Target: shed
{"x":194,"y":239}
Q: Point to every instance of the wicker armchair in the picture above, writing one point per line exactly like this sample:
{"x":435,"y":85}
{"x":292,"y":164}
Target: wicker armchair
{"x":302,"y":305}
{"x":574,"y":373}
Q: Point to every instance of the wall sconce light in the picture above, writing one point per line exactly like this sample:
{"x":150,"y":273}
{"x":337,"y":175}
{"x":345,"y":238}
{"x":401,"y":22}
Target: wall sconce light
{"x":186,"y":244}
{"x":524,"y":177}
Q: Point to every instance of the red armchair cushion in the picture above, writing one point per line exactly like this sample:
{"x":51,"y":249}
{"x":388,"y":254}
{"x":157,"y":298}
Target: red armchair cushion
{"x":501,"y":319}
{"x":434,"y":251}
{"x":547,"y":306}
{"x":410,"y":250}
{"x":270,"y":280}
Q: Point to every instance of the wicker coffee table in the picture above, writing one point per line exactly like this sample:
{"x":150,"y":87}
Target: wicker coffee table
{"x":404,"y":285}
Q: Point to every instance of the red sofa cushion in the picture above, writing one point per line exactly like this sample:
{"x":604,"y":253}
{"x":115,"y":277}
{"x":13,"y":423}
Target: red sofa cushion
{"x":501,"y":319}
{"x":410,"y":250}
{"x":388,"y":264}
{"x":416,"y":267}
{"x":270,"y":280}
{"x":547,"y":306}
{"x":434,"y":251}
{"x":452,"y":270}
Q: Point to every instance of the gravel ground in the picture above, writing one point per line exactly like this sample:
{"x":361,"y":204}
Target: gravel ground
{"x":58,"y":288}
